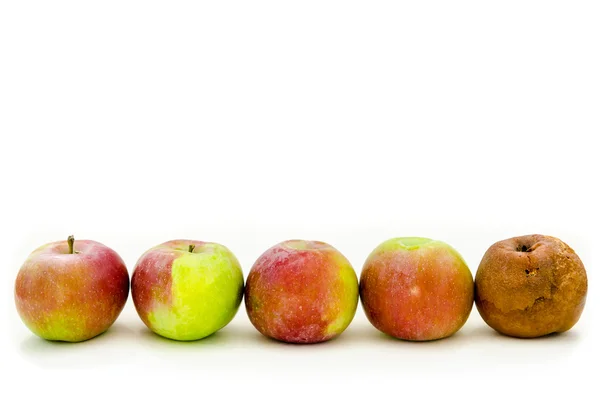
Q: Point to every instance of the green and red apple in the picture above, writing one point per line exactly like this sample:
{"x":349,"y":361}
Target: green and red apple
{"x":71,"y":290}
{"x":416,"y":288}
{"x":187,"y":289}
{"x":301,"y":292}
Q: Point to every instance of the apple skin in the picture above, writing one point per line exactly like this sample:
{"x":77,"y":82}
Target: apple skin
{"x":184,"y":295}
{"x":416,"y":289}
{"x":71,"y":297}
{"x":530,"y":286}
{"x":301,"y":291}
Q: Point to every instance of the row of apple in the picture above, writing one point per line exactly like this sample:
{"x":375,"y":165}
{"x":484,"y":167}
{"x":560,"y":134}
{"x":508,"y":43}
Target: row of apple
{"x":303,"y":291}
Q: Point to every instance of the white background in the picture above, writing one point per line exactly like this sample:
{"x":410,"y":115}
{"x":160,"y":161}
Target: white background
{"x":252,"y":122}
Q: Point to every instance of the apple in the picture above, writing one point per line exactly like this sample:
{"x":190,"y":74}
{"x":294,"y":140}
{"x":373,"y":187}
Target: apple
{"x":71,"y":290}
{"x":416,"y":288}
{"x":187,"y":289}
{"x":530,"y":286}
{"x":301,"y":292}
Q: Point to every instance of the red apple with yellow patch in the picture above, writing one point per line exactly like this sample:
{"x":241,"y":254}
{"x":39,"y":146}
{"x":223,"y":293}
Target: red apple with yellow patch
{"x":416,"y":289}
{"x":71,"y":290}
{"x":301,"y":292}
{"x":187,"y":289}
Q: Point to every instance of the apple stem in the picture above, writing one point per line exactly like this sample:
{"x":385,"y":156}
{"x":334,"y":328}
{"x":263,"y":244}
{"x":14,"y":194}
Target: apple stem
{"x":71,"y":241}
{"x":191,"y":248}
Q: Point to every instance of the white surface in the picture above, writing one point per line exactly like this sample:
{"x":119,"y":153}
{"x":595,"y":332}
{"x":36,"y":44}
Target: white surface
{"x":248,"y":123}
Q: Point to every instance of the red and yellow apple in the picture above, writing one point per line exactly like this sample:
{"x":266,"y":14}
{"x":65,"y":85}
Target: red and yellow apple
{"x":301,"y":292}
{"x":187,"y":289}
{"x":71,"y":290}
{"x":416,"y":289}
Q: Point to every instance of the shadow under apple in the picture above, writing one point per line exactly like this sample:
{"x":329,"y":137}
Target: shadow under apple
{"x":103,"y":349}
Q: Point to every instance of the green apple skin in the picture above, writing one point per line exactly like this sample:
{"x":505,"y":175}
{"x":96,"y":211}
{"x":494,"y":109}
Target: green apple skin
{"x":187,"y":289}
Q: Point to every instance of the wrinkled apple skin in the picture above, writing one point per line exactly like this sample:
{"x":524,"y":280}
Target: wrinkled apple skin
{"x":530,"y":286}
